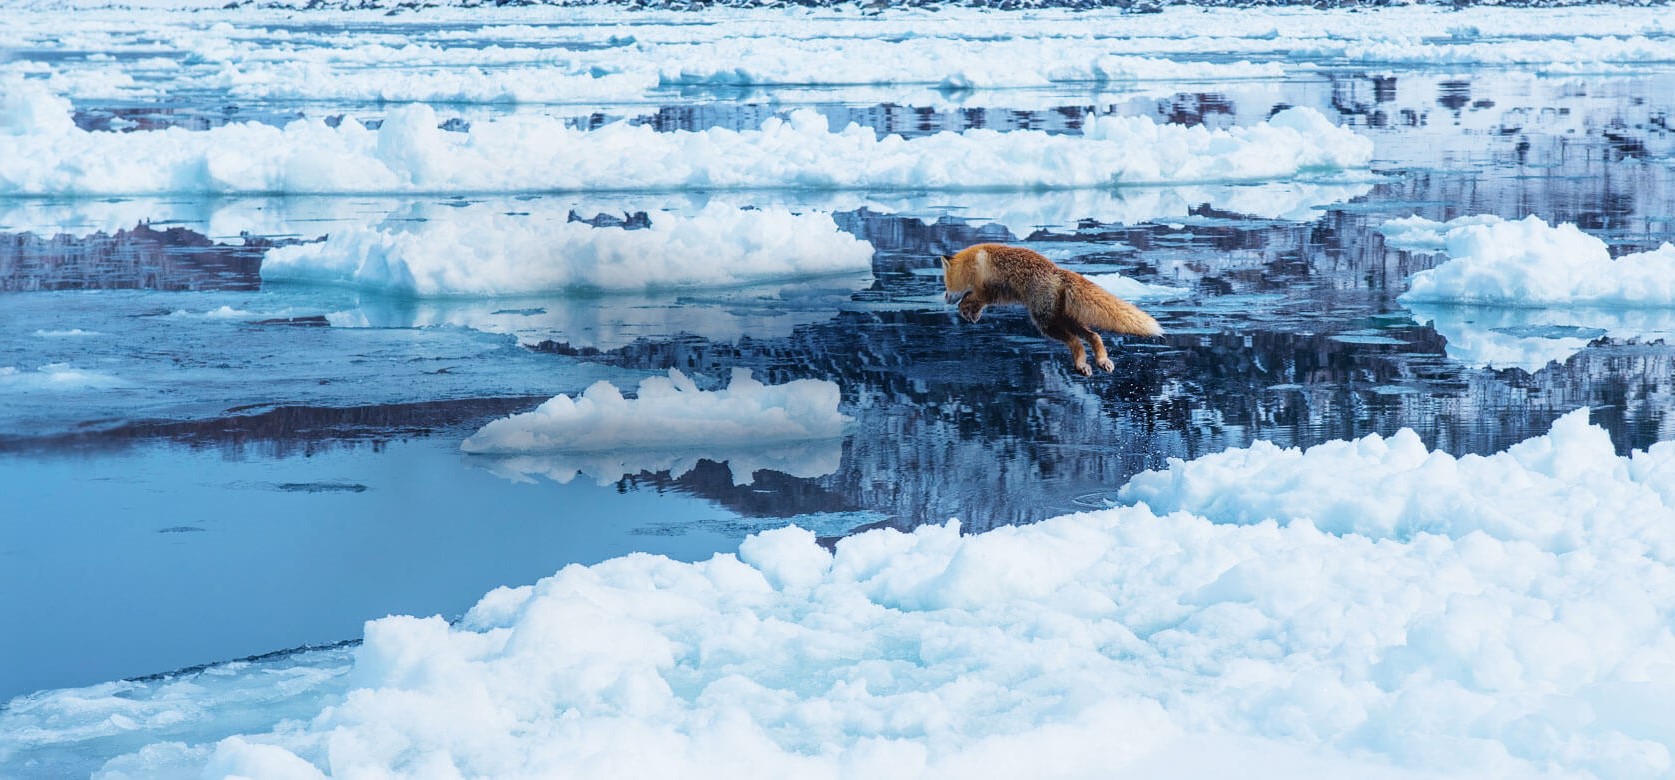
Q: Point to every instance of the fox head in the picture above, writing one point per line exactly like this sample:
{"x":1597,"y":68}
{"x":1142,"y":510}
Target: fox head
{"x":957,"y":278}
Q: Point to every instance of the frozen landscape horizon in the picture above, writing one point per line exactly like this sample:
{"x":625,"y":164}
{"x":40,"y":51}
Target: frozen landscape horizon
{"x":450,"y":389}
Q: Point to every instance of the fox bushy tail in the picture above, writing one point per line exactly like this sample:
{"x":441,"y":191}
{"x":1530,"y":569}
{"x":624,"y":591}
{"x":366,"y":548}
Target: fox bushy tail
{"x":1098,"y":309}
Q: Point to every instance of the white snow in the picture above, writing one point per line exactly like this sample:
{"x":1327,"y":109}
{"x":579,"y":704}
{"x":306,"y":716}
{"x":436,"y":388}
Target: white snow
{"x":1529,"y":262}
{"x":66,"y":333}
{"x":668,"y":415}
{"x":525,"y":153}
{"x":1356,"y":609}
{"x":482,"y":251}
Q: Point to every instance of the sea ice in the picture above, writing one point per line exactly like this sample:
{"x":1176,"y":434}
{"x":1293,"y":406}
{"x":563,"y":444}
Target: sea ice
{"x":1370,"y":605}
{"x":1530,"y":263}
{"x":409,"y":153}
{"x":481,"y":251}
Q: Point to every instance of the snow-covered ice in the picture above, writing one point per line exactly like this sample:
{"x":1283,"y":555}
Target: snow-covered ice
{"x":669,"y":414}
{"x":1529,"y":262}
{"x":481,"y":251}
{"x":1370,"y":606}
{"x":408,"y":153}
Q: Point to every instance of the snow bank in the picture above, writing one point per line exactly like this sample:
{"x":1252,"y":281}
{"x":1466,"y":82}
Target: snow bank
{"x":409,"y":154}
{"x":1531,"y":263}
{"x":669,"y":414}
{"x":486,"y":252}
{"x":1356,"y":605}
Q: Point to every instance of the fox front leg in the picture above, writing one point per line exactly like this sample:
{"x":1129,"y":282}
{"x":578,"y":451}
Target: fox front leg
{"x":971,"y":307}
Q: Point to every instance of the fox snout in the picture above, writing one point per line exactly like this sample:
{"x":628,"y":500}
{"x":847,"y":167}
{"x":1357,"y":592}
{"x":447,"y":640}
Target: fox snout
{"x":955,"y":297}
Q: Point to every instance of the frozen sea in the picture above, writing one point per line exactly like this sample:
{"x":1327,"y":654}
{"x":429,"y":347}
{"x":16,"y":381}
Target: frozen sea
{"x":217,"y":470}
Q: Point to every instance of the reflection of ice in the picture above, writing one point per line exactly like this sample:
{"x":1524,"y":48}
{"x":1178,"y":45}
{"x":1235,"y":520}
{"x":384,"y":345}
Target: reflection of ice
{"x":668,"y":413}
{"x":1134,"y":290}
{"x":797,"y":459}
{"x":481,"y":252}
{"x":611,"y":321}
{"x":1530,"y":338}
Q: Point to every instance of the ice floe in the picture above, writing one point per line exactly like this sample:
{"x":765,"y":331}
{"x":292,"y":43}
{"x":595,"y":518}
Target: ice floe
{"x":409,"y":153}
{"x":1372,"y":606}
{"x":668,"y":414}
{"x":1528,"y":262}
{"x":1524,"y":293}
{"x":484,"y":252}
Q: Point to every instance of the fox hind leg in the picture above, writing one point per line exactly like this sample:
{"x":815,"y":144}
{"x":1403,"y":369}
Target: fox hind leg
{"x":1100,"y":357}
{"x":1078,"y":355}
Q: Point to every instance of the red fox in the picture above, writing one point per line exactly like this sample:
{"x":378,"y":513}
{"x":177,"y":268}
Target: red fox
{"x":1064,"y":305}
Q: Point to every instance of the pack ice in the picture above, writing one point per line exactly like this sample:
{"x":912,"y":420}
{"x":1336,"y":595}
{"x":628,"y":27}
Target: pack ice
{"x":1362,"y":608}
{"x":408,"y":153}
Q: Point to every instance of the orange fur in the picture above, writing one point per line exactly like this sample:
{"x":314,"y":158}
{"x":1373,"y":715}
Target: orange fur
{"x":1063,"y":304}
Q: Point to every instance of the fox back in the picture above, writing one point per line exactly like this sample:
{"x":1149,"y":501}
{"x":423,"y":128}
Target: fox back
{"x":996,"y":274}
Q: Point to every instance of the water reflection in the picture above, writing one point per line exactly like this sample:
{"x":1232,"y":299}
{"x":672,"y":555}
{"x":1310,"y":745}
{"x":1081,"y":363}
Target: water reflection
{"x":1292,"y":331}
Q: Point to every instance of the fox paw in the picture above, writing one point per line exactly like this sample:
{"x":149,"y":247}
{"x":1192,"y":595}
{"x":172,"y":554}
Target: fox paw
{"x":1106,"y":364}
{"x":1083,"y":369}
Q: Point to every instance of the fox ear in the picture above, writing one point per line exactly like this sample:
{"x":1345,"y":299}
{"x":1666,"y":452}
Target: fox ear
{"x":944,"y":259}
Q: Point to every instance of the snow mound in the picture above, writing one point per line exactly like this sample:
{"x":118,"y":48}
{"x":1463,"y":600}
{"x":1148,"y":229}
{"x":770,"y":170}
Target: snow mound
{"x":409,"y":153}
{"x":669,"y":414}
{"x":1367,"y":606}
{"x":1132,"y":290}
{"x":486,"y":252}
{"x":1531,"y":263}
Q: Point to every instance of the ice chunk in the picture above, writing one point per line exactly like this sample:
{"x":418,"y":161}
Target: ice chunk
{"x":1531,"y":263}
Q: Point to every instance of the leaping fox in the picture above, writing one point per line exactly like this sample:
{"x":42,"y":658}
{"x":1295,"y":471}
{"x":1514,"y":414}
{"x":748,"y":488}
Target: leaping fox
{"x":1064,"y":305}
